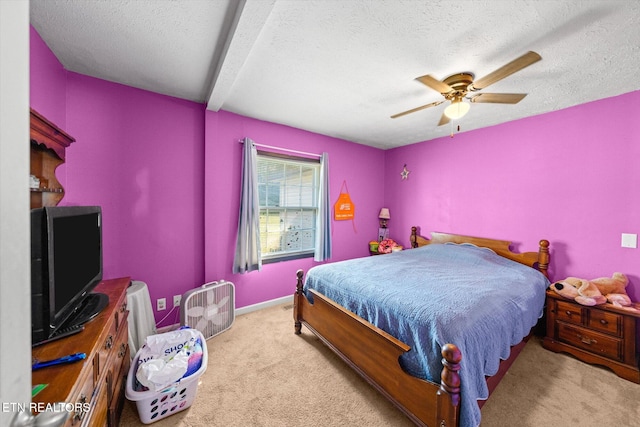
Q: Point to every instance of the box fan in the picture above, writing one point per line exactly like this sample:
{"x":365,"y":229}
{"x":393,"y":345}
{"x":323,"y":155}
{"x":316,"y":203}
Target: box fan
{"x":210,"y":308}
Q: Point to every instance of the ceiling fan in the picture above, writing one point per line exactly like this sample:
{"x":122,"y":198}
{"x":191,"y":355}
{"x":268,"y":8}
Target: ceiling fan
{"x":457,"y":87}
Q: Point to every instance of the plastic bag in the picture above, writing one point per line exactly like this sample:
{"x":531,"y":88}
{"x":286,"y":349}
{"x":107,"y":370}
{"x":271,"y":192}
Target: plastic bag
{"x":164,"y":358}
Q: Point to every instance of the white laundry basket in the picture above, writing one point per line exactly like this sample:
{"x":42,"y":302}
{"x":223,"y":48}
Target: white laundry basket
{"x":156,"y":405}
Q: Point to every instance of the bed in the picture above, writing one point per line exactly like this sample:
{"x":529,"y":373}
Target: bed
{"x":383,"y":317}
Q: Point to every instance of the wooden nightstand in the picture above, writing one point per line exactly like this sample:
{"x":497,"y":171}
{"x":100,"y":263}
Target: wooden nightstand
{"x":602,"y":334}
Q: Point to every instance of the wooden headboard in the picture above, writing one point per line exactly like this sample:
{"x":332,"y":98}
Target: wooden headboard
{"x":538,"y":260}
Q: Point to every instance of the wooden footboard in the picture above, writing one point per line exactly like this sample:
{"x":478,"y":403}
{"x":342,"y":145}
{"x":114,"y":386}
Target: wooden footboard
{"x":375,"y":354}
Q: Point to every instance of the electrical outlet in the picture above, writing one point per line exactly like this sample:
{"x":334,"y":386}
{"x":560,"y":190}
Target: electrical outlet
{"x":162,"y":304}
{"x":176,"y":300}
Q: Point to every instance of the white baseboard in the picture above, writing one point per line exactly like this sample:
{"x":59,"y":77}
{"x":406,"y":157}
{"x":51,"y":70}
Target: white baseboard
{"x":242,"y":310}
{"x":265,"y":304}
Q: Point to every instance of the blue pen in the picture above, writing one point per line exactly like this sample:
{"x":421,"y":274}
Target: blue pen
{"x":65,"y":359}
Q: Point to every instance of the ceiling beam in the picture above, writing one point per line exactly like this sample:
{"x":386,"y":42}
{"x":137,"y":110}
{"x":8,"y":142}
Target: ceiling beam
{"x":247,"y":23}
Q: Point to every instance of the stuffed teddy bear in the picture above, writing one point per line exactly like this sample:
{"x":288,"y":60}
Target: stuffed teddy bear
{"x":567,"y":288}
{"x":614,"y":289}
{"x":596,"y":291}
{"x":582,"y":291}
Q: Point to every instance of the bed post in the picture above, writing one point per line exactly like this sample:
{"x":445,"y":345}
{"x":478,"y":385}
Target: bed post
{"x":414,"y":234}
{"x":296,"y":302}
{"x":450,"y":377}
{"x":449,"y":386}
{"x":543,"y":257}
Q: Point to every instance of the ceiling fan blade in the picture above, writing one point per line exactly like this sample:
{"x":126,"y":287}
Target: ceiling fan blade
{"x":443,"y":120}
{"x":434,"y":84}
{"x":413,"y":110}
{"x":506,"y":70}
{"x":498,"y":98}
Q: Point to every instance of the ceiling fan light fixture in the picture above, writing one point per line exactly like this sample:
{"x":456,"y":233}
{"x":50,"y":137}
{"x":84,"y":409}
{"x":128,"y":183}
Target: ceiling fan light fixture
{"x":457,"y":109}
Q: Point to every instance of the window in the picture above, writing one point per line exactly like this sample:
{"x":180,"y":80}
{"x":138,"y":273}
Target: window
{"x":288,"y":194}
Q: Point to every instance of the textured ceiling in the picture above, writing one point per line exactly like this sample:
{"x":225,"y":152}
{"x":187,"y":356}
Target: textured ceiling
{"x":343,"y":67}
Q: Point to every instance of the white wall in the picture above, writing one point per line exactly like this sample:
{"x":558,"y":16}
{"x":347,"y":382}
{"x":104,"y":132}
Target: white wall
{"x":15,"y":282}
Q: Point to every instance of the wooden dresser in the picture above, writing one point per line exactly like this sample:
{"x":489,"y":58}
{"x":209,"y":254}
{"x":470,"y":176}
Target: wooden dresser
{"x":602,"y":334}
{"x":92,"y":389}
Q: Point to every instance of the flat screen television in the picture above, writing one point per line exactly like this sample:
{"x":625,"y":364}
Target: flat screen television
{"x":66,"y":265}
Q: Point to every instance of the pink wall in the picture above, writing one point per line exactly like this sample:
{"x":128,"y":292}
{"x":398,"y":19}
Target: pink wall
{"x":47,"y":82}
{"x":348,"y":161}
{"x":48,"y":88}
{"x":139,"y":155}
{"x":569,"y":176}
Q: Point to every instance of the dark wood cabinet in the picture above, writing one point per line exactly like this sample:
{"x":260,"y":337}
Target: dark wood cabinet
{"x":93,"y":389}
{"x":48,"y":145}
{"x":602,"y":334}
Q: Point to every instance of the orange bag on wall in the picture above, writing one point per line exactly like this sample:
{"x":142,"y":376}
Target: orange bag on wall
{"x":344,"y":208}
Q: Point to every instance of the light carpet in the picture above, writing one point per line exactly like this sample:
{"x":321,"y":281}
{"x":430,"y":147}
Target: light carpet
{"x":261,"y":374}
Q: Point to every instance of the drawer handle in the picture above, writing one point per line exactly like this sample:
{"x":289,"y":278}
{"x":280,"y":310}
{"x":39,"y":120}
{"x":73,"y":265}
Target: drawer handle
{"x":604,"y":322}
{"x":79,"y":415}
{"x":123,"y":350}
{"x":587,"y":340}
{"x":109,"y":343}
{"x":568,"y":313}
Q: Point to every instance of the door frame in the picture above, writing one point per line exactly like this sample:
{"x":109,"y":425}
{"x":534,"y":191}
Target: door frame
{"x":15,"y":252}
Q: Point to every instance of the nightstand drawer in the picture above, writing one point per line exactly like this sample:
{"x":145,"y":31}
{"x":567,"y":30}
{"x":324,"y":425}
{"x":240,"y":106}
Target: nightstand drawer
{"x":603,"y":321}
{"x":591,"y":341}
{"x":569,"y":312}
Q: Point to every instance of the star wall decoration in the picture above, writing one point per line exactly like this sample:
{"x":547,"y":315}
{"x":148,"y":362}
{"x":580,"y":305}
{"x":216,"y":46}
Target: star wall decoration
{"x":405,"y":172}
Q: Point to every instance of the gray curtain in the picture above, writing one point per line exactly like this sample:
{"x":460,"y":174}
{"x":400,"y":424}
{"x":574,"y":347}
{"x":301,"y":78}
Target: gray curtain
{"x":323,"y":222}
{"x":247,"y":257}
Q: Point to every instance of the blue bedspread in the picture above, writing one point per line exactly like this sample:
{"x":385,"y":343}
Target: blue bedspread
{"x":438,"y":294}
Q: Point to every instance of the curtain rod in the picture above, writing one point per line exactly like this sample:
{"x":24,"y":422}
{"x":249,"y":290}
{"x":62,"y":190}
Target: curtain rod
{"x":283,"y":149}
